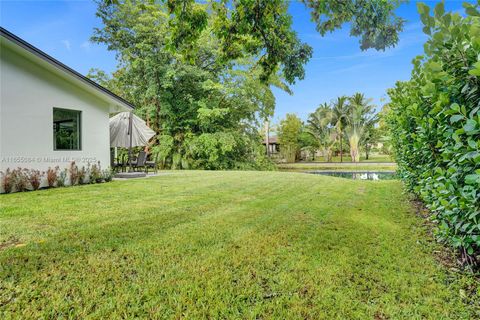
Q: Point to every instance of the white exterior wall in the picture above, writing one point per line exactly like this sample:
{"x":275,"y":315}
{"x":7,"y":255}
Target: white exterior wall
{"x":28,"y":94}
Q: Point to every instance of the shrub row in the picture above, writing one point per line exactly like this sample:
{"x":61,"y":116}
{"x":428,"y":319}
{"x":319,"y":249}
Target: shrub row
{"x":434,"y":121}
{"x":22,"y":179}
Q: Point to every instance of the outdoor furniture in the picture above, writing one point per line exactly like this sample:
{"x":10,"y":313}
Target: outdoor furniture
{"x":152,"y":164}
{"x":119,"y":164}
{"x":128,"y":131}
{"x":139,"y":163}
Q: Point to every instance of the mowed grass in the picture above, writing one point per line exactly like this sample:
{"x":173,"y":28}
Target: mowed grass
{"x":371,"y":158}
{"x":337,"y":166}
{"x":246,"y":245}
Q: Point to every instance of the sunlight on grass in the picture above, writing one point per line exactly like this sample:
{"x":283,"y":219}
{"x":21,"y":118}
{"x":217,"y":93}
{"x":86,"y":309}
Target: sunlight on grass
{"x":385,"y":158}
{"x":221,"y":245}
{"x":336,"y":166}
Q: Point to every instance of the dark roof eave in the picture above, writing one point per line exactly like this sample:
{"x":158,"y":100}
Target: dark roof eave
{"x":39,"y":53}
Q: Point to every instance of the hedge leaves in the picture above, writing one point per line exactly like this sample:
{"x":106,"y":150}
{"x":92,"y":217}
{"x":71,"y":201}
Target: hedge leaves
{"x":434,"y":121}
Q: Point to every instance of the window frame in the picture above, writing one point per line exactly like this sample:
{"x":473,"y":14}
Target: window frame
{"x":80,"y":122}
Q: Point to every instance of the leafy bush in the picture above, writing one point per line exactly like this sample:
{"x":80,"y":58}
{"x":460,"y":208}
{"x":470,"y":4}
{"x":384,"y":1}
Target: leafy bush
{"x":434,"y":124}
{"x":52,"y":176}
{"x":8,"y":180}
{"x":95,"y":173}
{"x":163,"y":149}
{"x":226,"y":150}
{"x":21,"y":179}
{"x":107,"y":175}
{"x":222,"y":150}
{"x":62,"y":177}
{"x":289,"y":133}
{"x":74,"y":174}
{"x":83,"y":176}
{"x":34,"y":177}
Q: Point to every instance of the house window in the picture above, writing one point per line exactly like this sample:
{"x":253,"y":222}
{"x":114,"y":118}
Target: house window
{"x":66,"y":129}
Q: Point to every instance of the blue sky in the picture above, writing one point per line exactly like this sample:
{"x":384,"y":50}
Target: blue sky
{"x":338,"y":67}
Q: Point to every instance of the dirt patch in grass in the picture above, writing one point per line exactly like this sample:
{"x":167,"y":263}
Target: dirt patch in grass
{"x":11,"y":242}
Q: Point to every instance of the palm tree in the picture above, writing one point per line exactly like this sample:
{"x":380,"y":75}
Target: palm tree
{"x":360,"y":118}
{"x":340,"y":113}
{"x":319,"y":126}
{"x":369,"y":137}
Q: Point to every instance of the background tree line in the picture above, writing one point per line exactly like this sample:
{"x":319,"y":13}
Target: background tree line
{"x":201,"y":73}
{"x":347,"y":124}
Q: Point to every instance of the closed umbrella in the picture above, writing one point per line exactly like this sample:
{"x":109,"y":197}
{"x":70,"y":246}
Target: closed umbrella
{"x":127,"y":131}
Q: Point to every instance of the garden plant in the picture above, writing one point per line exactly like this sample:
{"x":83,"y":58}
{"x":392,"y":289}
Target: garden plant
{"x":434,"y":121}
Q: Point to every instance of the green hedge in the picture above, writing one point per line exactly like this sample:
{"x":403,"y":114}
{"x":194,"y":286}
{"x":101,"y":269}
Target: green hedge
{"x":434,"y":121}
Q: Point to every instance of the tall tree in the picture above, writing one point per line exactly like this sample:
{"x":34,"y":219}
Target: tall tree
{"x":370,"y":137}
{"x":383,"y":130}
{"x":289,"y":132}
{"x":340,"y":113}
{"x":204,"y":110}
{"x":360,"y":118}
{"x":201,"y":72}
{"x":320,"y":127}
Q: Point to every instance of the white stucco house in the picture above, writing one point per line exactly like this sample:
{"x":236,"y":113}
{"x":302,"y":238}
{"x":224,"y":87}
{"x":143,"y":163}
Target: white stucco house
{"x":50,"y":114}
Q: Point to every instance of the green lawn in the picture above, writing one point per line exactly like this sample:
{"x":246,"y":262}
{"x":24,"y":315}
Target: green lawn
{"x":336,"y":166}
{"x":255,"y":245}
{"x":371,"y":158}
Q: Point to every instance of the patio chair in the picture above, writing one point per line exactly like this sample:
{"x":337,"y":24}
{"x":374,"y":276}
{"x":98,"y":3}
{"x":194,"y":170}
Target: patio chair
{"x":139,"y":163}
{"x":118,"y":164}
{"x":152,"y":164}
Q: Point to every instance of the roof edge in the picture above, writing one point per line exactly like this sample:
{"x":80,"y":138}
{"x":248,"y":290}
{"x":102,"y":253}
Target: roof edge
{"x":39,"y":53}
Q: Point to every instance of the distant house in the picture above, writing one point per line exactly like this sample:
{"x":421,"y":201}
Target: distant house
{"x":50,"y":114}
{"x":273,"y":145}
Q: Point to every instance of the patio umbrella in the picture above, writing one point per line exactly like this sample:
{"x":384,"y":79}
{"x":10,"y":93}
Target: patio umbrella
{"x":127,"y":131}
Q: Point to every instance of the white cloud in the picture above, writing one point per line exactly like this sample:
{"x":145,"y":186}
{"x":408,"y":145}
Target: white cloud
{"x":352,"y":68}
{"x":67,"y":44}
{"x":86,"y":46}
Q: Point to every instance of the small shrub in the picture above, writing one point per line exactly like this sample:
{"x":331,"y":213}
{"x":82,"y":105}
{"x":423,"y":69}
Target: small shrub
{"x":107,"y":175}
{"x":52,"y":176}
{"x":8,"y":180}
{"x":86,"y":178}
{"x":62,"y":176}
{"x":21,"y":179}
{"x":34,"y":177}
{"x":96,"y":173}
{"x":82,"y":176}
{"x":74,"y":174}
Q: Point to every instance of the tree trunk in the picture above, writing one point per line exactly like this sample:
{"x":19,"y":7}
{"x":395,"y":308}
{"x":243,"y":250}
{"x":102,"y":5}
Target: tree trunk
{"x":325,"y":155}
{"x":157,"y":117}
{"x":354,"y":148}
{"x":341,"y":147}
{"x":267,"y":137}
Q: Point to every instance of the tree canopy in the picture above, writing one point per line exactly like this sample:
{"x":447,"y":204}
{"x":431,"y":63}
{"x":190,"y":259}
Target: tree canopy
{"x":373,"y":21}
{"x":353,"y":117}
{"x":289,"y":133}
{"x":263,"y":28}
{"x":201,"y":73}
